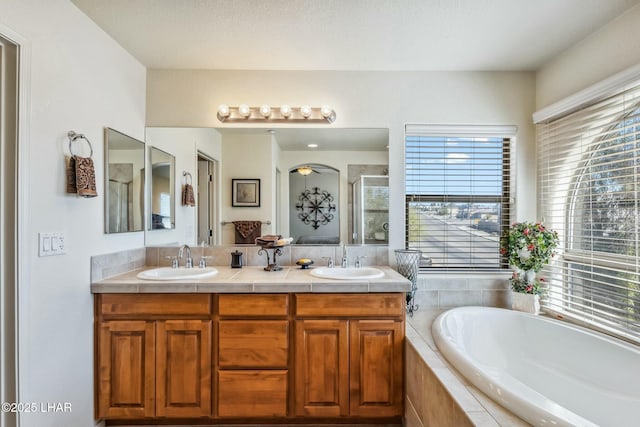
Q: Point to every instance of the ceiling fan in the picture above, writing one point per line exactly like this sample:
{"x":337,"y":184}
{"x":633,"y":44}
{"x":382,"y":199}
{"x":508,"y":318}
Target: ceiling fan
{"x":308,"y":169}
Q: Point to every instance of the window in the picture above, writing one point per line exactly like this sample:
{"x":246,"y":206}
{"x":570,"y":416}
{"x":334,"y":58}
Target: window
{"x":589,"y":180}
{"x":457,"y":189}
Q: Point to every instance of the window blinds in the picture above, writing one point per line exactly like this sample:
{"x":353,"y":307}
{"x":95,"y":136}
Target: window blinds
{"x":589,"y":180}
{"x":457,"y":194}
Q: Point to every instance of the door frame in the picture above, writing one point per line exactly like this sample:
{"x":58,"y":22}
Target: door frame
{"x":213,"y":199}
{"x":21,"y":226}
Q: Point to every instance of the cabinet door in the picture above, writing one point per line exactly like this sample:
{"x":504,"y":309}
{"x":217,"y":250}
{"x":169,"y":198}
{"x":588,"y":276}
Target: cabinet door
{"x":321,"y":368}
{"x":376,"y":368}
{"x":183,"y":370}
{"x":126,"y":364}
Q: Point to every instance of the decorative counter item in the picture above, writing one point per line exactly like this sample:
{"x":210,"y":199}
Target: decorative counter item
{"x":272,"y":244}
{"x":236,"y":259}
{"x":408,"y":261}
{"x":271,"y":264}
{"x":304,"y":263}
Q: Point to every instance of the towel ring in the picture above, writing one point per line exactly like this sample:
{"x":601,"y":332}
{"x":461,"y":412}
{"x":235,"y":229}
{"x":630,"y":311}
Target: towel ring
{"x":73,"y":136}
{"x":189,"y":179}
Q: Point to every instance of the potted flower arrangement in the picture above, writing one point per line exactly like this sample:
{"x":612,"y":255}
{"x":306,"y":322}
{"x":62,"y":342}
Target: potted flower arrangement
{"x":528,"y":247}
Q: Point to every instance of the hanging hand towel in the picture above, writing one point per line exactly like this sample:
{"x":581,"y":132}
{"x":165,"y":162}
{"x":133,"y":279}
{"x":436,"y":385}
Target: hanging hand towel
{"x":188,"y":197}
{"x":85,"y":177}
{"x":247,"y":231}
{"x":70,"y":166}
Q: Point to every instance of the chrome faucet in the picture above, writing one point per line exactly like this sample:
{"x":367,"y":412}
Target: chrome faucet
{"x":358,"y":262}
{"x":188,"y":261}
{"x":345,"y":262}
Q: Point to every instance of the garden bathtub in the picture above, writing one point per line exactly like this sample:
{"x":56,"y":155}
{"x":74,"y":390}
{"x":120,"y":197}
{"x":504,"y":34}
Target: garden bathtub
{"x":548,"y":372}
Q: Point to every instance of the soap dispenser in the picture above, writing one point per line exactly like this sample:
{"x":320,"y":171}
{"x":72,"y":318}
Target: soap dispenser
{"x":236,"y":259}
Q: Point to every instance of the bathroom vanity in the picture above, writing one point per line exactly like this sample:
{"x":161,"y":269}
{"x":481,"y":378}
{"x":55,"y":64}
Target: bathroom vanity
{"x":246,"y":346}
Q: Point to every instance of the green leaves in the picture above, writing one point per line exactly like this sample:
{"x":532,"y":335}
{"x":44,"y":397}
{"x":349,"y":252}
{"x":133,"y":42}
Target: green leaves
{"x":528,"y":246}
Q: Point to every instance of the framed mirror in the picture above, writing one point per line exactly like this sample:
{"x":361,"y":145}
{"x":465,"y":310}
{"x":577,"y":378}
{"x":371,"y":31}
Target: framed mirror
{"x":161,"y":190}
{"x":124,"y":183}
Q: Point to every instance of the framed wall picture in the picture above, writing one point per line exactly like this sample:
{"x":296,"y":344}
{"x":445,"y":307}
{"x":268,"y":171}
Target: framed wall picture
{"x":245,"y":193}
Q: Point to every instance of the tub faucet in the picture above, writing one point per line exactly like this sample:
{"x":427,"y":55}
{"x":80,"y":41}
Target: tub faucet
{"x":188,"y":263}
{"x":345,"y":262}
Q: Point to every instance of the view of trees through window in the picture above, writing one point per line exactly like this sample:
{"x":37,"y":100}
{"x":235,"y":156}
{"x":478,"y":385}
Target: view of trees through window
{"x":606,"y":222}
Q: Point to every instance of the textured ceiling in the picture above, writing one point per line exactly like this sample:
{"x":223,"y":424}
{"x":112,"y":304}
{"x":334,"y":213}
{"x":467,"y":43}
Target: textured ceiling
{"x":350,"y":34}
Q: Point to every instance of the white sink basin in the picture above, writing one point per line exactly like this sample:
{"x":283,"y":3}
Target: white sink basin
{"x":349,"y":273}
{"x":168,"y":273}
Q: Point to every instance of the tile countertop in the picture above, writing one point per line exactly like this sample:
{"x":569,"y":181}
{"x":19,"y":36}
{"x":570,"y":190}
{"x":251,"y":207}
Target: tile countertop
{"x":253,"y":280}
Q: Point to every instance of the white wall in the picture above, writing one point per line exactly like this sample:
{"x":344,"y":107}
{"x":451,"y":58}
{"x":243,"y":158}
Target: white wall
{"x":248,"y":156}
{"x":611,"y":49}
{"x":79,"y":79}
{"x":183,"y":144}
{"x":363,"y":99}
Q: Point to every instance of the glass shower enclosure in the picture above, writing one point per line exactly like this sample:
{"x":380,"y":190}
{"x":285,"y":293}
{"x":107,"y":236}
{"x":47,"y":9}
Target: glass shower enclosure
{"x":371,"y":210}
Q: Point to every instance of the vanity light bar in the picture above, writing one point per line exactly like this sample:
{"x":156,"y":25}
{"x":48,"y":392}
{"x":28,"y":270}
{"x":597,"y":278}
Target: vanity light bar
{"x":284,"y":113}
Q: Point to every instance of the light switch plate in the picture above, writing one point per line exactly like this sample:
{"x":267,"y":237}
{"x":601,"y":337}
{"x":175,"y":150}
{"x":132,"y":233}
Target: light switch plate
{"x":52,"y":243}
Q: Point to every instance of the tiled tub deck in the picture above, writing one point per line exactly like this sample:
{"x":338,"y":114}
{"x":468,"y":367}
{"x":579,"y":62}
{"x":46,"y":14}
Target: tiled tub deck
{"x":436,"y":395}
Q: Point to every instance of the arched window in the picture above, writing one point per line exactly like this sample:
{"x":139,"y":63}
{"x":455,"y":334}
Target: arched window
{"x":589,"y":170}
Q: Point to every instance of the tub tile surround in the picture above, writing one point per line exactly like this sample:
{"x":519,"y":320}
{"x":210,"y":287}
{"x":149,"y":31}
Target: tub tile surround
{"x":438,"y":395}
{"x":448,"y":291}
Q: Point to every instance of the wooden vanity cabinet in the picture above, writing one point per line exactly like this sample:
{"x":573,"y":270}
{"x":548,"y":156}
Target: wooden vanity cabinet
{"x":349,"y":355}
{"x":154,"y":356}
{"x":223,"y":358}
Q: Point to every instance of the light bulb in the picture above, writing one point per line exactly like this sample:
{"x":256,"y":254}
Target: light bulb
{"x":326,"y":111}
{"x":244,"y":110}
{"x":285,"y":110}
{"x":265,"y":110}
{"x":223,"y":111}
{"x":305,"y":110}
{"x":305,"y":170}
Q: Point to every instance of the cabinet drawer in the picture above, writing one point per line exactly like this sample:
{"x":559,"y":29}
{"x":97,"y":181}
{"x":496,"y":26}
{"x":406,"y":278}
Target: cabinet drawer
{"x":253,"y":344}
{"x":253,"y":305}
{"x":155,"y":304}
{"x":345,"y":305}
{"x":252,"y":394}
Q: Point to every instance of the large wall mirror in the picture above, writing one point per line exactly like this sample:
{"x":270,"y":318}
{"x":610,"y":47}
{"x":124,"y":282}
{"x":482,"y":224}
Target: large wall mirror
{"x":161,"y":190}
{"x":344,"y":154}
{"x":124,"y":187}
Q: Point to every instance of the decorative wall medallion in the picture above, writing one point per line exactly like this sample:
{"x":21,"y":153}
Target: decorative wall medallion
{"x":316,"y":207}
